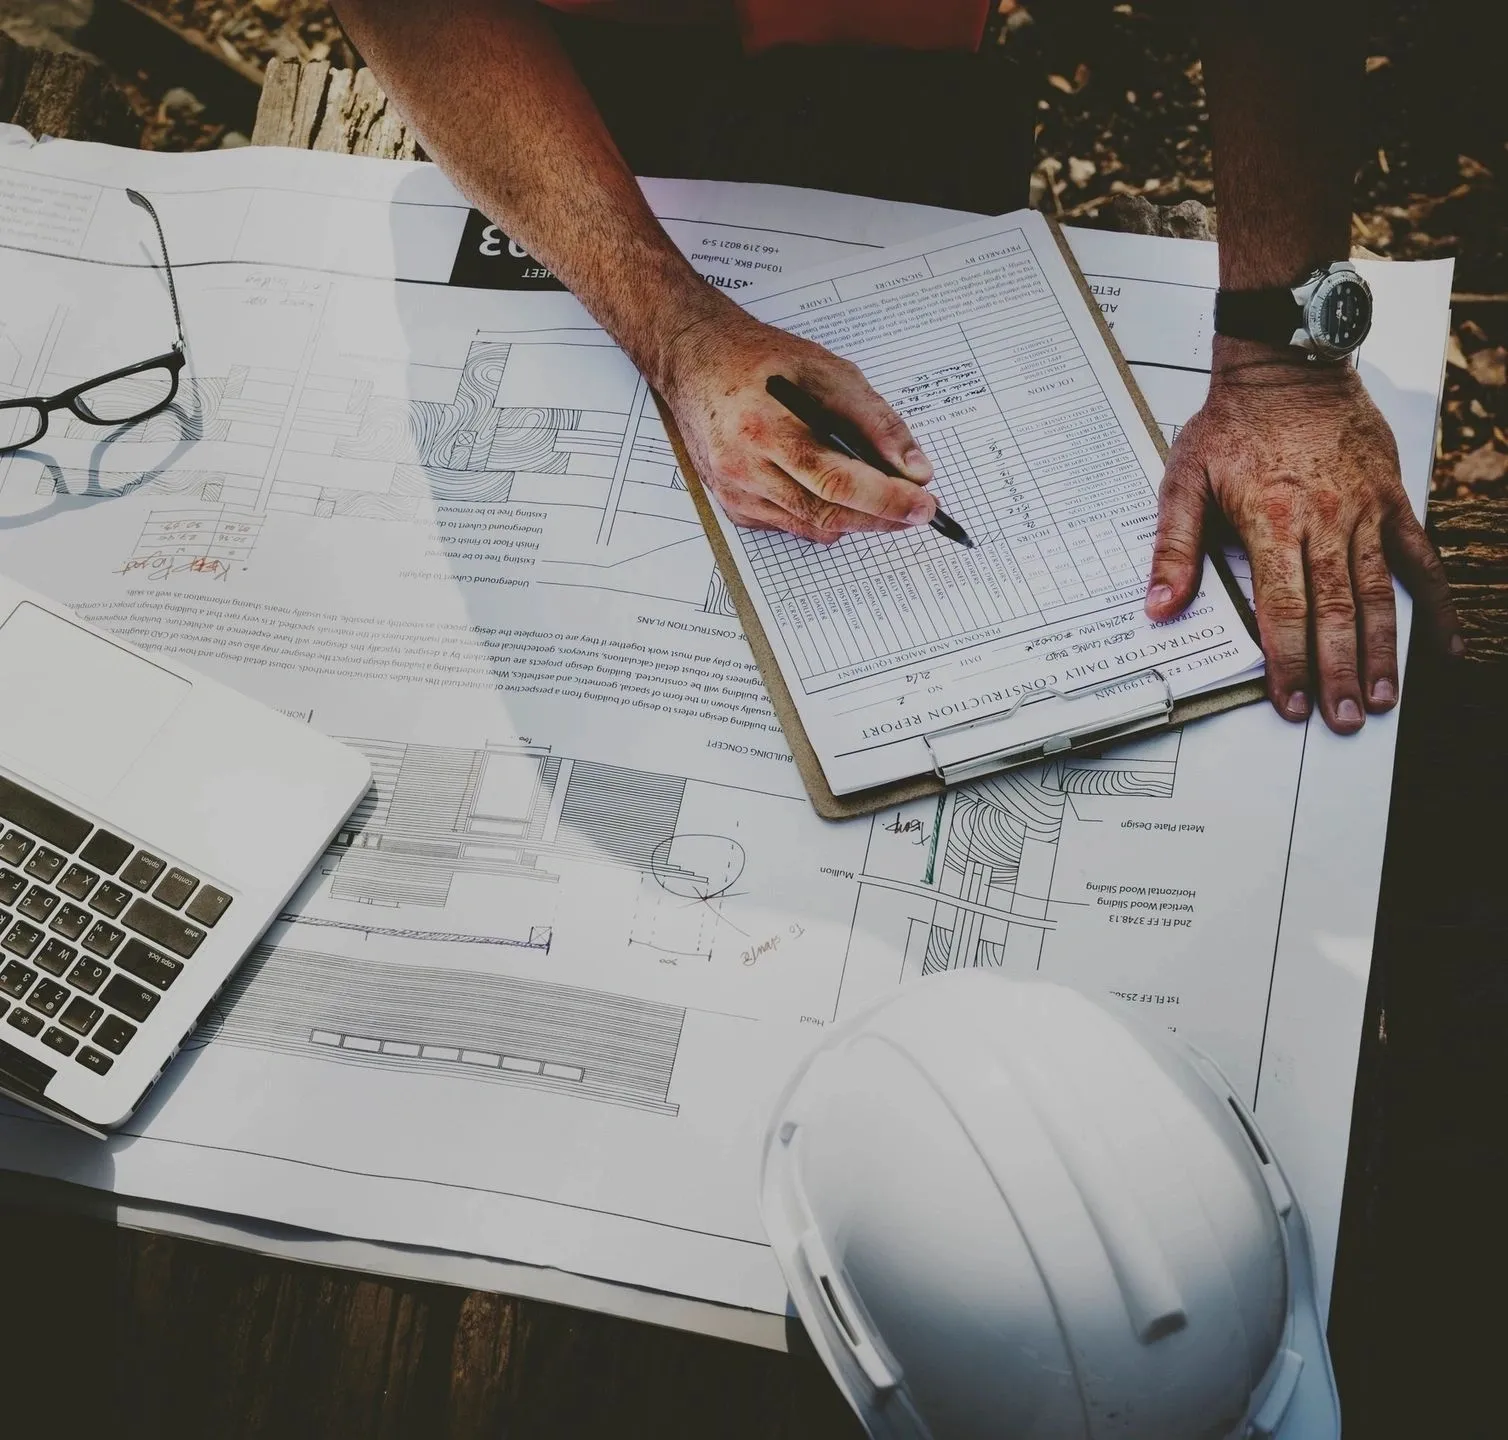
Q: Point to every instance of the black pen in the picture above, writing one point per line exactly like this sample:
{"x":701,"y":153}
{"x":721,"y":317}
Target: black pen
{"x":846,"y":437}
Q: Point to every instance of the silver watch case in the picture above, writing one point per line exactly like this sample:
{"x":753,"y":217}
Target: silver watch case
{"x":1312,"y":295}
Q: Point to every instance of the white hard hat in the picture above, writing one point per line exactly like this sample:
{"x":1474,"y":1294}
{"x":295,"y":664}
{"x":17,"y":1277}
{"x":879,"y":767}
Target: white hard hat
{"x":1006,"y":1211}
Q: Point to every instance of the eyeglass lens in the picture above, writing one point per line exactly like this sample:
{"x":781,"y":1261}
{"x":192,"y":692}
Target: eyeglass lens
{"x":20,"y":425}
{"x":128,"y":397}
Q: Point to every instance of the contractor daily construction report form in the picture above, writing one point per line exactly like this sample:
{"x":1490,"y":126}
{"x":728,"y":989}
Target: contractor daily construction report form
{"x":982,"y":340}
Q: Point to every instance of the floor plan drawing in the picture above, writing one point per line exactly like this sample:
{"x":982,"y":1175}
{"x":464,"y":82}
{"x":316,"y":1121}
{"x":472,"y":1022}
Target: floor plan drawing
{"x":580,"y":1043}
{"x":558,"y":419}
{"x":967,"y":880}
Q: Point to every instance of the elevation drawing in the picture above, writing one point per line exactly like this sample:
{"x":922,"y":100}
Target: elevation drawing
{"x":460,"y":1024}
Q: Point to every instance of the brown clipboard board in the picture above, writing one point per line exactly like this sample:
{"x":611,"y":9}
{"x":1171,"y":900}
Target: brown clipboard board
{"x":881,"y":797}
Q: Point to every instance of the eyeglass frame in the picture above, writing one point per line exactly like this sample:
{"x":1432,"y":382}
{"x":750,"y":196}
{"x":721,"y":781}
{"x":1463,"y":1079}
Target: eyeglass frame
{"x":71,"y":399}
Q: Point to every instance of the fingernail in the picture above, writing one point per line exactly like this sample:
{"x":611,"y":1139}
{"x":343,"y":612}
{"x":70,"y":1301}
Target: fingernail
{"x":1457,"y":646}
{"x":1383,"y":693}
{"x":916,"y":465}
{"x":1159,"y":595}
{"x":921,"y":513}
{"x":1298,"y":705}
{"x":1348,"y":712}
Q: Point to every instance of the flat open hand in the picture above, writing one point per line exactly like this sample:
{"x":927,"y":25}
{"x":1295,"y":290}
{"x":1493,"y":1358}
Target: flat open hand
{"x":766,"y":467}
{"x":1306,"y":469}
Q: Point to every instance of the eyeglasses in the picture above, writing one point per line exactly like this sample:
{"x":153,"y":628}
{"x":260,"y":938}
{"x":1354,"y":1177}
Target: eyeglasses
{"x":122,"y":397}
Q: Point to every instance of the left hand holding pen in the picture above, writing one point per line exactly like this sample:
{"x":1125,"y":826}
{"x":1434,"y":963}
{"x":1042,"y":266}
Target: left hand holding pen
{"x":1306,"y":469}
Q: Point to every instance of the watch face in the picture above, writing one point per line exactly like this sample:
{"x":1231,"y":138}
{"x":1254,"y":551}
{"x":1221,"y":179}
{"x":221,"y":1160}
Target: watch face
{"x":1340,"y":313}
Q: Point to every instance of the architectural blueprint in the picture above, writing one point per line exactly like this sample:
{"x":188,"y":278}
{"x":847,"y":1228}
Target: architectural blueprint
{"x":537,"y":998}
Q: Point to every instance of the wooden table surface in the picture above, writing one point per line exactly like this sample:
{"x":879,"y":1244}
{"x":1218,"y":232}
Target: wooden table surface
{"x":106,"y":1331}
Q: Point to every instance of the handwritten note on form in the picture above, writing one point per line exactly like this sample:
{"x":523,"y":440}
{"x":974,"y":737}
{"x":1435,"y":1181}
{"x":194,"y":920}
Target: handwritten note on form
{"x":982,"y":341}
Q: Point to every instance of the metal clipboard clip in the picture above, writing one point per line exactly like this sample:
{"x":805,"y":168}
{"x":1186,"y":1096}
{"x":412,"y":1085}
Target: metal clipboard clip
{"x":1100,"y":714}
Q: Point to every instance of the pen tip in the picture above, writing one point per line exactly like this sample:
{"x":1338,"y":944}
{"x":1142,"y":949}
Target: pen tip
{"x":947,"y":525}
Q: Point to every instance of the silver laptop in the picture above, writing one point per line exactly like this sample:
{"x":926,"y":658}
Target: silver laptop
{"x":152,"y":824}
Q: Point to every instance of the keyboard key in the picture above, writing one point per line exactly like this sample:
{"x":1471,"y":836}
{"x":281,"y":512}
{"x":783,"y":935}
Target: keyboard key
{"x":70,"y":922}
{"x":26,"y":1022}
{"x":102,"y":940}
{"x":142,"y":872}
{"x":57,"y":1040}
{"x":4,"y":1006}
{"x":163,"y":928}
{"x":42,"y":817}
{"x":114,"y":1034}
{"x":88,"y":975}
{"x":148,"y":964}
{"x":132,"y":1000}
{"x":16,"y":978}
{"x":55,"y":957}
{"x":21,"y":939}
{"x":93,"y":1060}
{"x":77,"y":882}
{"x":106,"y":852}
{"x":38,"y":904}
{"x":48,"y":998}
{"x":81,"y":1016}
{"x":110,"y":899}
{"x":23,"y":1069}
{"x":45,"y":865}
{"x":15,"y":847}
{"x":12,"y":887}
{"x":174,"y":888}
{"x":208,"y":905}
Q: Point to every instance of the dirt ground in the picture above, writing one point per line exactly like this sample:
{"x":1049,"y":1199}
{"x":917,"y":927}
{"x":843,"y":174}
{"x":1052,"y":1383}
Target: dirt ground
{"x":1121,"y":109}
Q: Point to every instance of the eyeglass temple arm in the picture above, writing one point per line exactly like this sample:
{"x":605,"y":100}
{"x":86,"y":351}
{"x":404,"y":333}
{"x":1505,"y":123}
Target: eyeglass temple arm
{"x":138,"y":199}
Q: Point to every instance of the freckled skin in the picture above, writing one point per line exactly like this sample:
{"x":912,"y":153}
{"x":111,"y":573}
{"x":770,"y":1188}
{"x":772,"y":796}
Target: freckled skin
{"x":1306,"y":469}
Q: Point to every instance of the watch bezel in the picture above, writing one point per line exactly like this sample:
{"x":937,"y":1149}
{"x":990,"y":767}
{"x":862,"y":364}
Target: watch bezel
{"x":1314,"y":309}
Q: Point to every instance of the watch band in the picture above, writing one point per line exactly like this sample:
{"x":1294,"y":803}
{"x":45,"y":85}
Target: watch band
{"x":1267,"y":315}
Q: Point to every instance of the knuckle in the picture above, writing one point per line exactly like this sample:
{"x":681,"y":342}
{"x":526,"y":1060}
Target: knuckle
{"x":1334,"y":607}
{"x":889,"y":424}
{"x":1177,"y":547}
{"x":833,"y":483}
{"x":831,"y":519}
{"x":1180,"y":482}
{"x":1286,"y":666}
{"x":1286,"y":610}
{"x":1325,"y":508}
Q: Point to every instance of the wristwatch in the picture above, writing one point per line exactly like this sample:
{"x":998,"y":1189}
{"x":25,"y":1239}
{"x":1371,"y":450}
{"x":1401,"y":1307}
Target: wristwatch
{"x":1326,"y":315}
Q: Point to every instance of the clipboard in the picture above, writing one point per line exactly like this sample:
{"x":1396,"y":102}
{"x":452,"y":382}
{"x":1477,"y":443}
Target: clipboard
{"x":1131,"y":705}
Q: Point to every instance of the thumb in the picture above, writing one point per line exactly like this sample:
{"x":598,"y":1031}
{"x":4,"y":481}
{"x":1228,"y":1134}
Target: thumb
{"x":1178,"y":556}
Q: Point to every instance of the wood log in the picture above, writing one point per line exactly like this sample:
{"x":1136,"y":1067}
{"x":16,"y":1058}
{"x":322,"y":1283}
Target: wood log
{"x":316,"y":107}
{"x":50,"y":88}
{"x":1472,"y":536}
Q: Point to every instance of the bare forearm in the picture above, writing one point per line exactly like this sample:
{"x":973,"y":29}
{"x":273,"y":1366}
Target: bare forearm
{"x":497,"y":103}
{"x":1284,"y":88}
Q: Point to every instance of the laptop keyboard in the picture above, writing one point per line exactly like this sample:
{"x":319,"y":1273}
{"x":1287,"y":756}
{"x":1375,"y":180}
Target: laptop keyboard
{"x":93,"y":928}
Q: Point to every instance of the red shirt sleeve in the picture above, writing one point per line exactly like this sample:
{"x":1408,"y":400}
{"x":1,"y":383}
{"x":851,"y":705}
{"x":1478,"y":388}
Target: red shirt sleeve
{"x":763,"y":24}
